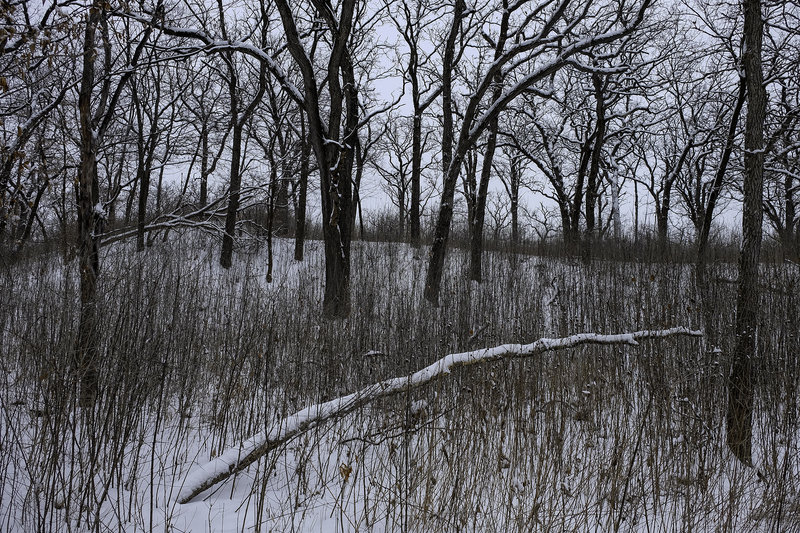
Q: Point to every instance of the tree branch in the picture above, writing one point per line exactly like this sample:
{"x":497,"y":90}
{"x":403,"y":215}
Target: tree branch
{"x":236,"y":459}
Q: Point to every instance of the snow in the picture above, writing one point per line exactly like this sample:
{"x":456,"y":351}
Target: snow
{"x":472,"y":459}
{"x":237,"y":458}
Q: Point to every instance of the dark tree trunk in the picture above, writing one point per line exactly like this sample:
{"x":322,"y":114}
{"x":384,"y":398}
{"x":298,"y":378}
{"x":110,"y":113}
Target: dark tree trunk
{"x":282,"y":203}
{"x":273,"y":175}
{"x":635,"y":212}
{"x":302,"y":192}
{"x":146,"y":148}
{"x":416,"y":147}
{"x":662,"y":217}
{"x":334,"y":159}
{"x":238,"y":121}
{"x":470,"y":184}
{"x":86,"y":360}
{"x":719,"y":176}
{"x":479,"y":211}
{"x":433,"y":279}
{"x":789,"y":238}
{"x":476,"y":234}
{"x":401,"y":222}
{"x":740,"y":386}
{"x":515,"y":180}
{"x":450,"y":163}
{"x":27,"y":224}
{"x":144,"y":192}
{"x":593,"y":181}
{"x":234,"y":188}
{"x":416,"y":176}
{"x":204,"y":172}
{"x":575,"y":219}
{"x":701,"y":274}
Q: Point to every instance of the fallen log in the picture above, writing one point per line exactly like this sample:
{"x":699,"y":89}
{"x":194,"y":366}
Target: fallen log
{"x":238,"y":458}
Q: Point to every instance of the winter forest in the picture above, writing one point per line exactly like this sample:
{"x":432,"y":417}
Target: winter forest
{"x":399,"y":265}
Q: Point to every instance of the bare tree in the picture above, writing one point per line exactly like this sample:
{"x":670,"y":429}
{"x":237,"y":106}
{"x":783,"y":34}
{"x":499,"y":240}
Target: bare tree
{"x":394,"y":162}
{"x":332,"y":142}
{"x":95,"y":113}
{"x":511,"y":170}
{"x":415,"y":17}
{"x":740,"y":401}
{"x":240,"y":113}
{"x":202,"y":101}
{"x":33,"y":84}
{"x":542,"y":21}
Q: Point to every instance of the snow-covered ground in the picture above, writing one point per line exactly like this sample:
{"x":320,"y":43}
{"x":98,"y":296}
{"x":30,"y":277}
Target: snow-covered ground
{"x":197,"y":360}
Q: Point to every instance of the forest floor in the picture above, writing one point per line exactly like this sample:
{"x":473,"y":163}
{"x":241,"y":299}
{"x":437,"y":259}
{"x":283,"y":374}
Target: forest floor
{"x":196,"y":359}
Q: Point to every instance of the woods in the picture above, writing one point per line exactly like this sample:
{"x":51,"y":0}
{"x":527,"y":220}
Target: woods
{"x":478,"y":135}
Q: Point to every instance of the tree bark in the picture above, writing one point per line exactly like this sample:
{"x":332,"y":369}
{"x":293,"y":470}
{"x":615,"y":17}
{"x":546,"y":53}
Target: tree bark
{"x":479,"y":212}
{"x":433,"y":278}
{"x":701,"y":273}
{"x":333,"y":148}
{"x":302,"y":193}
{"x":593,"y":181}
{"x":234,"y":191}
{"x":416,"y":177}
{"x":617,"y":218}
{"x":204,"y":171}
{"x":740,"y":386}
{"x":86,"y":359}
{"x":573,"y":239}
{"x":514,"y":182}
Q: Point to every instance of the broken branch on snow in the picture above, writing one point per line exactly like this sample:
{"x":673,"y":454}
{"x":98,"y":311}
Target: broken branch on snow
{"x":236,"y":459}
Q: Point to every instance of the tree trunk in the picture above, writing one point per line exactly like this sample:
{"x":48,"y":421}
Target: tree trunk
{"x":701,"y":273}
{"x":479,"y":211}
{"x":302,"y":193}
{"x":144,"y":191}
{"x":719,"y":176}
{"x":615,"y":205}
{"x":450,"y":163}
{"x":789,"y":239}
{"x":636,"y":212}
{"x":33,"y":212}
{"x":476,"y":248}
{"x":662,"y":219}
{"x":593,"y":184}
{"x":575,"y":219}
{"x":334,"y":159}
{"x":86,"y":359}
{"x":401,"y":222}
{"x":740,"y":386}
{"x":226,"y":258}
{"x":515,"y":179}
{"x":416,"y":175}
{"x":204,"y":165}
{"x":282,"y":202}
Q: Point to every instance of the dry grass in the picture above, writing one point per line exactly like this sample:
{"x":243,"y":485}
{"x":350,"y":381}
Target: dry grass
{"x":196,"y":359}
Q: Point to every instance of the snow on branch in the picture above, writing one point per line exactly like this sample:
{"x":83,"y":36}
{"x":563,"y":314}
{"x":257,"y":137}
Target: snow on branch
{"x":238,"y":458}
{"x":212,"y":45}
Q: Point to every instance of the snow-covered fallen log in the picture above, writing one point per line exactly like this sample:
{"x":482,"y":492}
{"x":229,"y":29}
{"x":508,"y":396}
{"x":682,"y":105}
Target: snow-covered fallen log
{"x":240,"y":457}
